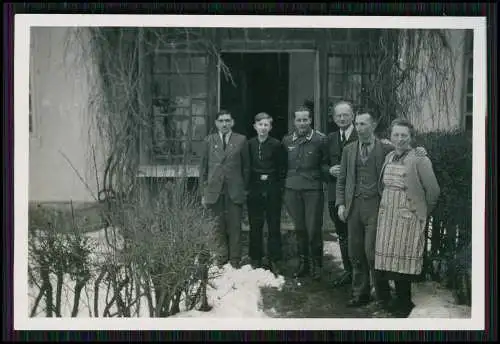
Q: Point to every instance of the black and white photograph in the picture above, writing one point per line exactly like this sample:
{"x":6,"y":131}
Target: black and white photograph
{"x":249,"y":172}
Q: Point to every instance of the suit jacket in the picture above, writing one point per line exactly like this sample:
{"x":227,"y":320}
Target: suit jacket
{"x":335,"y":153}
{"x":346,"y":181}
{"x":422,"y":187}
{"x":231,"y":166}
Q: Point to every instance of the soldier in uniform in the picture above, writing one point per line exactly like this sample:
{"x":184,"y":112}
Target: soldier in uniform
{"x":308,"y":164}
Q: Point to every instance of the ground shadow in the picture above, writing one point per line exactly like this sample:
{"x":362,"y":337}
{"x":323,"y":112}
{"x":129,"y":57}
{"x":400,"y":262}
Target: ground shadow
{"x":306,"y":298}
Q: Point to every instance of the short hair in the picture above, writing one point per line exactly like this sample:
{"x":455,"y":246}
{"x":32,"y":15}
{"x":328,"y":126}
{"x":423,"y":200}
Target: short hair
{"x":369,"y":112}
{"x":223,"y":112}
{"x":403,"y":123}
{"x":263,"y":115}
{"x":302,"y":108}
{"x":343,"y":102}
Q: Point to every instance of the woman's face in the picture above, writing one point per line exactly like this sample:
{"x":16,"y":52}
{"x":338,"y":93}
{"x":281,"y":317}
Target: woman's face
{"x":401,"y":137}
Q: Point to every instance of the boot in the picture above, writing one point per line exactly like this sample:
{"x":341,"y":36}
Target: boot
{"x":303,"y":268}
{"x":315,"y":270}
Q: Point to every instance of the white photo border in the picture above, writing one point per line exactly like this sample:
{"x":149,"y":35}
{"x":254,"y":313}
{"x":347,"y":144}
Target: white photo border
{"x":22,"y":25}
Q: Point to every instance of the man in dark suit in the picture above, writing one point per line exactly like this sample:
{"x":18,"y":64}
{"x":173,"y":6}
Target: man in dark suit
{"x":343,"y":117}
{"x":224,"y":175}
{"x":307,"y":163}
{"x":358,"y":199}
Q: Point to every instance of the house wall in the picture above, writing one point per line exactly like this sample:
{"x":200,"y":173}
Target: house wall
{"x":62,"y":121}
{"x":430,"y":118}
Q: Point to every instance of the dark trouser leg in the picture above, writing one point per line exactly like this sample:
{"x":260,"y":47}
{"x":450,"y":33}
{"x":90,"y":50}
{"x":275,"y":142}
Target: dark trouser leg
{"x":403,"y":292}
{"x":360,"y":268}
{"x":233,"y":220}
{"x":273,"y":215}
{"x":218,"y":210}
{"x":256,"y":208}
{"x":369,"y":217}
{"x":341,"y":230}
{"x":295,"y":207}
{"x":314,"y":206}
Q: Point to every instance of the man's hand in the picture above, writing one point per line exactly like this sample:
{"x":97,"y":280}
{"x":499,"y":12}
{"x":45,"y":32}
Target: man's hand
{"x":335,"y":171}
{"x":341,"y":213}
{"x":387,"y":142}
{"x":420,"y":151}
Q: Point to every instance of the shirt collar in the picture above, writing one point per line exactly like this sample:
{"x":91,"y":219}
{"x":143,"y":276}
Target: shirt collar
{"x":228,"y":135}
{"x":348,"y":131}
{"x":307,"y":137}
{"x":371,"y":142}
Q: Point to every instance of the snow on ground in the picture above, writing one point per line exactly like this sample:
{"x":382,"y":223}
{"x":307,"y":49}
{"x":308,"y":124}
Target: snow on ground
{"x":431,"y":300}
{"x":236,"y":293}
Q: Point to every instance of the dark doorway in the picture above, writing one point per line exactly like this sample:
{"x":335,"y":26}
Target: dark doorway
{"x":260,"y":85}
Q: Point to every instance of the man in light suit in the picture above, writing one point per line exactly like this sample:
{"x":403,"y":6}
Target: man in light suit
{"x":224,"y":175}
{"x":343,"y":117}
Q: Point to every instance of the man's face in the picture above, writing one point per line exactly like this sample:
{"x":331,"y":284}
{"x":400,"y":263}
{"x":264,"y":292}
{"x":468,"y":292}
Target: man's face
{"x":302,"y":121}
{"x":365,"y":126}
{"x":262,"y":127}
{"x":343,"y":116}
{"x":224,"y":123}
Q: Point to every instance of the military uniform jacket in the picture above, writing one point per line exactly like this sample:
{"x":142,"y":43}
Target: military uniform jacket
{"x":307,"y":161}
{"x":219,"y":166}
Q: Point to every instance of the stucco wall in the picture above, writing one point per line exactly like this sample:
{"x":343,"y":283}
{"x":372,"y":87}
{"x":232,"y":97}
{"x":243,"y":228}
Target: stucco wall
{"x":430,"y":118}
{"x":62,"y":122}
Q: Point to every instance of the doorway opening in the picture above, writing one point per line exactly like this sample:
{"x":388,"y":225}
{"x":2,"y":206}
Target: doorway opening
{"x":259,"y":84}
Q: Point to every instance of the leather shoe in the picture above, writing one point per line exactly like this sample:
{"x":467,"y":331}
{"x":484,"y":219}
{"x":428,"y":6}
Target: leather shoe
{"x":345,"y":279}
{"x":358,"y":302}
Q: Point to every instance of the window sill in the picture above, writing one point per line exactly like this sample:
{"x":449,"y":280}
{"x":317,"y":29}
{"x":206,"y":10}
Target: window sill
{"x":168,"y":171}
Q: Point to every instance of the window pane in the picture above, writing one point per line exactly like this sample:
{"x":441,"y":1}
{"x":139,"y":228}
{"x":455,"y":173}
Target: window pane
{"x":196,"y":148}
{"x":180,"y":63}
{"x":335,"y":64}
{"x":199,"y":107}
{"x":198,"y":86}
{"x":199,"y":128}
{"x":469,"y":85}
{"x":198,"y":64}
{"x":468,"y":107}
{"x":179,"y":86}
{"x":335,"y":85}
{"x":160,"y":86}
{"x":162,"y":63}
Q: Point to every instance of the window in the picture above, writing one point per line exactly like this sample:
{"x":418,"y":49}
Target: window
{"x":348,"y":76}
{"x":179,"y":106}
{"x":469,"y":68}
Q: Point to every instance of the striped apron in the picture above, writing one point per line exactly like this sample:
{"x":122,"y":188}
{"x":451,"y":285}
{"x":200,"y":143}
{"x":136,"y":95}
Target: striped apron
{"x":400,"y":239}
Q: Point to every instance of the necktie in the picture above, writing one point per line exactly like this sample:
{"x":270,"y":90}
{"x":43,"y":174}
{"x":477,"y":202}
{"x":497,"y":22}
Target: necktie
{"x":364,"y":150}
{"x":224,"y":141}
{"x":342,"y":137}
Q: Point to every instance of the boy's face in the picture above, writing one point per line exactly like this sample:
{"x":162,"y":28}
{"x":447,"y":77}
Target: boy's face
{"x":262,"y":127}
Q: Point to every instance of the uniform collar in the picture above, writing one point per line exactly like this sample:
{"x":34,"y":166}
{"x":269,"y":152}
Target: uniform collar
{"x":307,"y":137}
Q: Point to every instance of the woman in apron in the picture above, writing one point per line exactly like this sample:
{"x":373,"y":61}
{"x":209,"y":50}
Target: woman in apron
{"x":410,"y":192}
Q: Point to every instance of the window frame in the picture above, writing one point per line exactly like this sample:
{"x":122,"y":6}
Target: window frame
{"x":187,"y":158}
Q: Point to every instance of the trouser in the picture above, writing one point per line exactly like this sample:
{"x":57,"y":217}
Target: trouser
{"x":341,"y":230}
{"x":362,"y":231}
{"x":228,"y":232}
{"x":305,"y":207}
{"x":264,"y":204}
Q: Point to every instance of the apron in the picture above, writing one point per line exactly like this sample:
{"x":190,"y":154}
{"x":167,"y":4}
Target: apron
{"x":400,"y":239}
